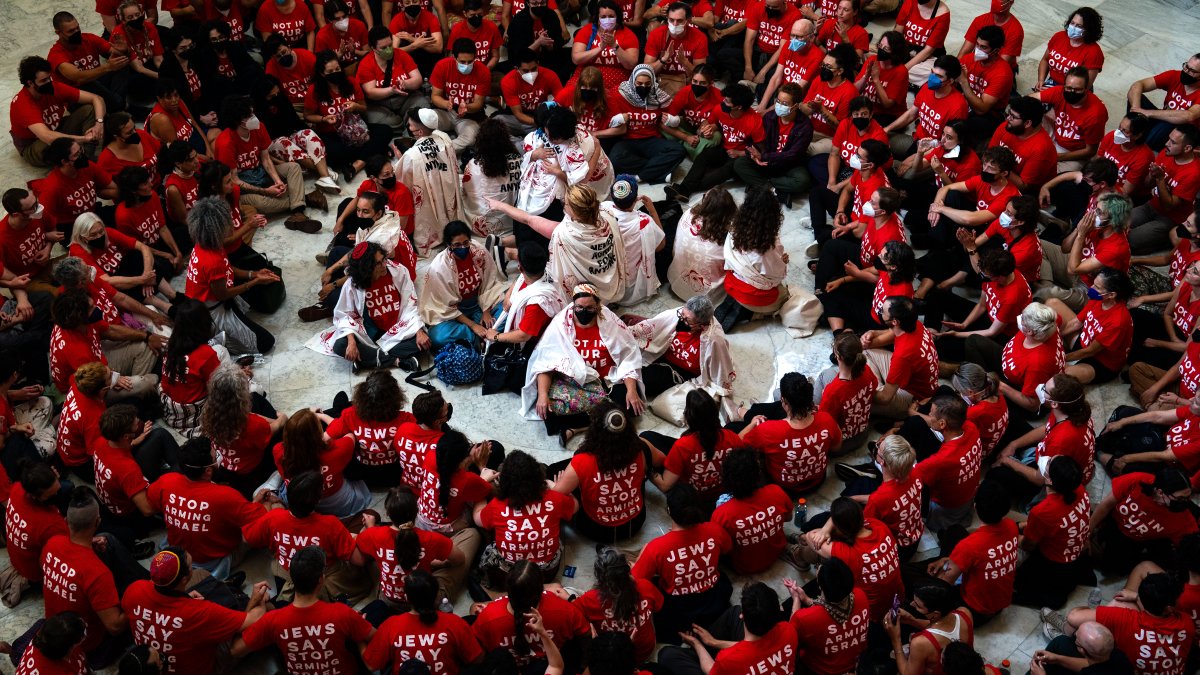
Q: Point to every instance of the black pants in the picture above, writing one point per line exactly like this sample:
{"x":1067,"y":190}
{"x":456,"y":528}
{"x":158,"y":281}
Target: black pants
{"x":341,"y":155}
{"x":661,"y":375}
{"x":919,"y":196}
{"x":263,"y":298}
{"x":158,"y":454}
{"x":771,"y":411}
{"x":263,"y":339}
{"x":1149,"y":324}
{"x":728,"y":57}
{"x":1120,"y":554}
{"x":132,"y":265}
{"x":679,"y":612}
{"x":822,"y":202}
{"x":683,"y":660}
{"x":1070,"y":201}
{"x":711,"y":167}
{"x":835,"y":253}
{"x":1041,"y":582}
{"x":29,"y":342}
{"x":852,"y":304}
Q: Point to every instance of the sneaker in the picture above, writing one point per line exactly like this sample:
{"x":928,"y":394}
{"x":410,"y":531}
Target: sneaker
{"x":143,"y":549}
{"x":408,"y":365}
{"x":500,"y":258}
{"x":316,"y":200}
{"x":791,"y":556}
{"x":672,"y":191}
{"x":323,"y":258}
{"x":852,"y":472}
{"x":1053,"y":623}
{"x":335,"y":176}
{"x":446,"y":606}
{"x":315,"y":312}
{"x":785,"y":199}
{"x":302,"y":223}
{"x":813,"y":250}
{"x":328,"y":183}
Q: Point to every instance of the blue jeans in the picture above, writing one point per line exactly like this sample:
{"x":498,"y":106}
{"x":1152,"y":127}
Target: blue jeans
{"x":651,"y":159}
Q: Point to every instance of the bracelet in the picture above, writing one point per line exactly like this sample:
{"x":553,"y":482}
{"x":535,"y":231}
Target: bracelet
{"x":146,"y":337}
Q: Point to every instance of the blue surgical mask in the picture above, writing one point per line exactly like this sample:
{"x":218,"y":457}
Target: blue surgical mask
{"x":934,"y":81}
{"x":466,"y":68}
{"x":461,"y":252}
{"x":1074,"y":32}
{"x":782,"y":110}
{"x":1094,"y":294}
{"x":796,"y":44}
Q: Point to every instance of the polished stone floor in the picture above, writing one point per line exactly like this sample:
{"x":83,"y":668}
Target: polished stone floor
{"x":1142,"y":37}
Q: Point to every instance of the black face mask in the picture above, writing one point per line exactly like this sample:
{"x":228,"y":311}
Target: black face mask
{"x":220,"y":45}
{"x":475,"y":21}
{"x":1073,"y":97}
{"x":76,"y":39}
{"x":726,"y":108}
{"x":187,"y":53}
{"x":80,"y":162}
{"x":543,"y":13}
{"x":46,"y":89}
{"x":387,"y":183}
{"x":288,"y":60}
{"x":860,"y":123}
{"x":699,"y":90}
{"x":94,"y":315}
{"x":774,"y":13}
{"x":924,"y":2}
{"x":1177,"y":505}
{"x":1186,"y":79}
{"x":1182,"y":232}
{"x":413,"y":11}
{"x":883,"y":55}
{"x":643,"y":91}
{"x":878,"y":263}
{"x":133,"y":139}
{"x":682,"y":327}
{"x":826,"y":74}
{"x":137,"y":23}
{"x":588,"y":95}
{"x":987,"y":176}
{"x":585,"y":316}
{"x":97,"y":243}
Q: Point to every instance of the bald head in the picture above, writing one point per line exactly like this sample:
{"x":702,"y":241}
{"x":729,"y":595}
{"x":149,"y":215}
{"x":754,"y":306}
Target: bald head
{"x":1096,"y":640}
{"x":803,"y":29}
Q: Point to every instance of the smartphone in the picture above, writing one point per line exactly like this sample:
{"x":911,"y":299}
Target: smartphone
{"x":895,"y":607}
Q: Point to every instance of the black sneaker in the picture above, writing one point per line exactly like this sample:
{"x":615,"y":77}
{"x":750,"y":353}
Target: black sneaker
{"x":408,"y":364}
{"x":236,"y":580}
{"x":143,"y":549}
{"x":852,"y":472}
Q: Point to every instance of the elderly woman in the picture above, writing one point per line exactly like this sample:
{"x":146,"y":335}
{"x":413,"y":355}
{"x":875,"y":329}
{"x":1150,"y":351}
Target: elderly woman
{"x":585,"y":355}
{"x":122,"y":261}
{"x":640,"y":112}
{"x":698,"y":261}
{"x":376,"y":322}
{"x":755,"y":262}
{"x":188,"y":363}
{"x":430,"y":170}
{"x":110,"y":304}
{"x":1099,"y":240}
{"x":460,"y":294}
{"x":1028,"y":360}
{"x":211,"y":279}
{"x":242,"y":426}
{"x":682,"y":346}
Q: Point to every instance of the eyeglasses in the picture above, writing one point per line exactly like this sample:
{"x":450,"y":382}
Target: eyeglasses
{"x":1188,"y":69}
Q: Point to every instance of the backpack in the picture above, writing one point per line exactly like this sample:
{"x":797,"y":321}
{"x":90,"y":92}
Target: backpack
{"x":456,"y":363}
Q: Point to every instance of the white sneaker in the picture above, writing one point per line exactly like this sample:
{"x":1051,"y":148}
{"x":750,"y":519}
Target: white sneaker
{"x":813,"y":250}
{"x":328,"y":183}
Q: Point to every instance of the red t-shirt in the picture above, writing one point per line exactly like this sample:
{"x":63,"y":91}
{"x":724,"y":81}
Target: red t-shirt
{"x":849,"y":402}
{"x":456,"y":87}
{"x":875,"y":561}
{"x":486,"y":38}
{"x":1189,"y":603}
{"x":895,"y":84}
{"x":34,"y":662}
{"x":857,"y":36}
{"x":293,"y":26}
{"x":991,"y":419}
{"x":424,"y":25}
{"x":201,"y":364}
{"x":1004,"y":302}
{"x":796,"y":459}
{"x":737,"y":133}
{"x":296,"y":79}
{"x":826,"y":646}
{"x":1060,"y":528}
{"x":684,"y":561}
{"x":692,"y":45}
{"x":914,"y":366}
{"x":204,"y":268}
{"x":70,"y":349}
{"x":1026,"y":249}
{"x":801,"y":66}
{"x":88,"y":55}
{"x":118,"y":478}
{"x":958,"y":169}
{"x":446,"y":646}
{"x":1026,"y":368}
{"x":1063,"y":56}
{"x":1112,"y":251}
{"x":204,"y":518}
{"x":952,"y":474}
{"x":988,"y":200}
{"x":238,"y":154}
{"x":66,"y":198}
{"x":75,"y":580}
{"x":370,"y":71}
{"x":897,"y":504}
{"x":591,"y":347}
{"x":756,"y":526}
{"x":333,"y":106}
{"x":639,"y":627}
{"x":246,"y":451}
{"x":988,"y":560}
{"x":78,"y":425}
{"x":689,"y":461}
{"x":1184,"y":180}
{"x":189,"y":188}
{"x":848,"y":139}
{"x":684,"y":352}
{"x":334,"y":460}
{"x":21,"y":247}
{"x":919,"y":31}
{"x":1075,"y":127}
{"x":48,"y":109}
{"x":933,"y":113}
{"x":993,"y":77}
{"x":313,"y":638}
{"x":466,"y":487}
{"x":610,"y":498}
{"x":379,"y":544}
{"x":1189,"y":370}
{"x":531,"y":532}
{"x":1112,"y":328}
{"x":875,"y":235}
{"x":28,"y":526}
{"x":106,"y":260}
{"x":639,"y":122}
{"x":771,"y":654}
{"x":1178,"y":97}
{"x":286,"y":534}
{"x":184,"y":630}
{"x":610,"y":67}
{"x":1186,"y":430}
{"x":400,"y":198}
{"x":1141,"y":518}
{"x":494,"y":627}
{"x":1133,"y":161}
{"x":1014,"y":33}
{"x":345,"y":45}
{"x":414,"y":444}
{"x":770,"y":32}
{"x":375,"y":439}
{"x":1037,"y":159}
{"x":1154,"y":645}
{"x":836,"y":99}
{"x":150,"y":146}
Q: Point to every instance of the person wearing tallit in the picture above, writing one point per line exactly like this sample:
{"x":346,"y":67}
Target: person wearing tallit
{"x":586,"y":354}
{"x":643,"y":235}
{"x":430,"y":170}
{"x":755,"y":262}
{"x":686,"y":344}
{"x":698,"y":261}
{"x":530,"y":303}
{"x":376,"y":323}
{"x":460,"y":294}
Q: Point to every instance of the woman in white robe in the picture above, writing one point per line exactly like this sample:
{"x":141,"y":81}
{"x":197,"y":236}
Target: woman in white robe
{"x":556,"y":156}
{"x":493,"y":173}
{"x":698,"y":261}
{"x":643,"y":236}
{"x":585,"y":355}
{"x":430,"y":170}
{"x":460,"y":294}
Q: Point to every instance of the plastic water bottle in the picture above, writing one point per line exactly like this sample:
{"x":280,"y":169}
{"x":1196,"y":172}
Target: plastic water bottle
{"x":1005,"y":667}
{"x":801,"y":513}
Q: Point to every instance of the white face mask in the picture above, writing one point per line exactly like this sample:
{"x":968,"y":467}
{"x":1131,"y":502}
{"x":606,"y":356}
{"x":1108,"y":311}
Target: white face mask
{"x":252,"y":123}
{"x":529,"y":78}
{"x":1119,"y":137}
{"x":953,"y":153}
{"x":855,"y":162}
{"x":980,"y":55}
{"x":868,"y":209}
{"x":1099,"y":222}
{"x":37,"y":213}
{"x":466,"y":68}
{"x":608,"y":23}
{"x":342,"y":24}
{"x":1041,"y":394}
{"x":937,"y":434}
{"x":676,"y":30}
{"x":1021,"y":324}
{"x":1005,"y":220}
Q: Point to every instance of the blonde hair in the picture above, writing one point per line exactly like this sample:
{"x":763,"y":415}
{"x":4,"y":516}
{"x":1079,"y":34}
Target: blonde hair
{"x":897,"y":456}
{"x":90,"y":378}
{"x":1039,"y":321}
{"x":84,"y":224}
{"x":584,"y":204}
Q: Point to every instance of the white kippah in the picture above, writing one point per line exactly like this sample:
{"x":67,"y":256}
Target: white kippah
{"x":428,"y":117}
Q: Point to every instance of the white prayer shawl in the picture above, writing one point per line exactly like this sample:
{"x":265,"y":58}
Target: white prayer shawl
{"x":654,"y":336}
{"x":542,"y":293}
{"x":351,"y":308}
{"x":478,"y":188}
{"x":573,"y":159}
{"x":539,"y":187}
{"x":698,"y":265}
{"x":642,"y":236}
{"x":583,"y":254}
{"x":556,"y":352}
{"x":439,"y":289}
{"x":430,"y":170}
{"x":761,"y":270}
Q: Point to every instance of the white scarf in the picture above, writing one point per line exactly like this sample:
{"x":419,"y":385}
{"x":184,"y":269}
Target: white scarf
{"x":642,"y":236}
{"x":539,"y":187}
{"x":654,"y":337}
{"x":583,"y":254}
{"x":351,"y":308}
{"x":430,"y":170}
{"x":573,"y":158}
{"x":542,"y":293}
{"x":478,"y":188}
{"x":698,"y":265}
{"x":556,"y":352}
{"x":439,"y":288}
{"x":761,"y":270}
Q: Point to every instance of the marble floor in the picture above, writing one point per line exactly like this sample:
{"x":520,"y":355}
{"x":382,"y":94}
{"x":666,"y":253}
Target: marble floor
{"x":1142,"y":37}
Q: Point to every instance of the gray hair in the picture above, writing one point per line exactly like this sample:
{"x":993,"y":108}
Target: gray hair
{"x":972,"y":377}
{"x":897,"y":456}
{"x":83,"y":511}
{"x":701,"y":306}
{"x":83,"y":225}
{"x":72,"y":272}
{"x":1097,"y":639}
{"x":224,"y":416}
{"x":208,"y":222}
{"x":1039,"y":321}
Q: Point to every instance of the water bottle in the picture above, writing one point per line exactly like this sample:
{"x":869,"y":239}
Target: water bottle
{"x":1005,"y":667}
{"x":801,"y":513}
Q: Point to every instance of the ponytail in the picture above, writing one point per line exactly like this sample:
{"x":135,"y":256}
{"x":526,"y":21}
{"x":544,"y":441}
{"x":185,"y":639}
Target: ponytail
{"x":422,"y":591}
{"x":524,"y":593}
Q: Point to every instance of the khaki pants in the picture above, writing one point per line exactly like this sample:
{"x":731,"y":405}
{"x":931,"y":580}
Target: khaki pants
{"x":80,"y":120}
{"x":820,"y":145}
{"x":1142,"y":376}
{"x":291,"y":200}
{"x":135,"y":360}
{"x":450,"y":579}
{"x":465,"y":130}
{"x":341,"y":578}
{"x":880,"y":362}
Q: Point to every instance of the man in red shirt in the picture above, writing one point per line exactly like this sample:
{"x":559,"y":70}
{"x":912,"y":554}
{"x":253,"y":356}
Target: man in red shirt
{"x":26,"y":239}
{"x":388,"y":102}
{"x":951,"y":475}
{"x":986,"y":559}
{"x":344,"y":35}
{"x":44,"y":110}
{"x":830,"y":646}
{"x":524,"y":88}
{"x":31,"y":519}
{"x":741,"y":126}
{"x":1175,"y":181}
{"x":767,"y":26}
{"x":799,"y":63}
{"x":675,"y":48}
{"x":986,"y":81}
{"x":1079,"y":119}
{"x":1032,"y":147}
{"x":480,"y":30}
{"x":89,"y":62}
{"x":460,"y":83}
{"x":1180,"y":106}
{"x":754,"y":517}
{"x":1001,"y":16}
{"x":120,"y":479}
{"x":912,"y":368}
{"x":766,"y":645}
{"x":292,"y":66}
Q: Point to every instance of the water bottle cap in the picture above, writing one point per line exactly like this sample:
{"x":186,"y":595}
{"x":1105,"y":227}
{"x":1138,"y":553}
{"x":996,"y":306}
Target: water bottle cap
{"x":803,"y":500}
{"x":1005,"y":663}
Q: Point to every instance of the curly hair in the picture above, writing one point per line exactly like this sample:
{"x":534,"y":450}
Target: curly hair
{"x":756,"y":225}
{"x":901,"y":256}
{"x":1093,"y":24}
{"x":228,"y":406}
{"x":612,"y":437}
{"x":522,"y":480}
{"x":592,"y":78}
{"x":208,"y":222}
{"x":70,"y":309}
{"x":193,"y":329}
{"x":378,"y":398}
{"x":715,"y":213}
{"x":615,"y":582}
{"x":210,"y":179}
{"x":303,"y":443}
{"x":361,"y":270}
{"x":90,"y":378}
{"x":494,"y":148}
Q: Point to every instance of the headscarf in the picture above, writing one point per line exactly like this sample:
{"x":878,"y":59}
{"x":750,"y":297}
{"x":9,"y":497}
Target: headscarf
{"x":657,"y":98}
